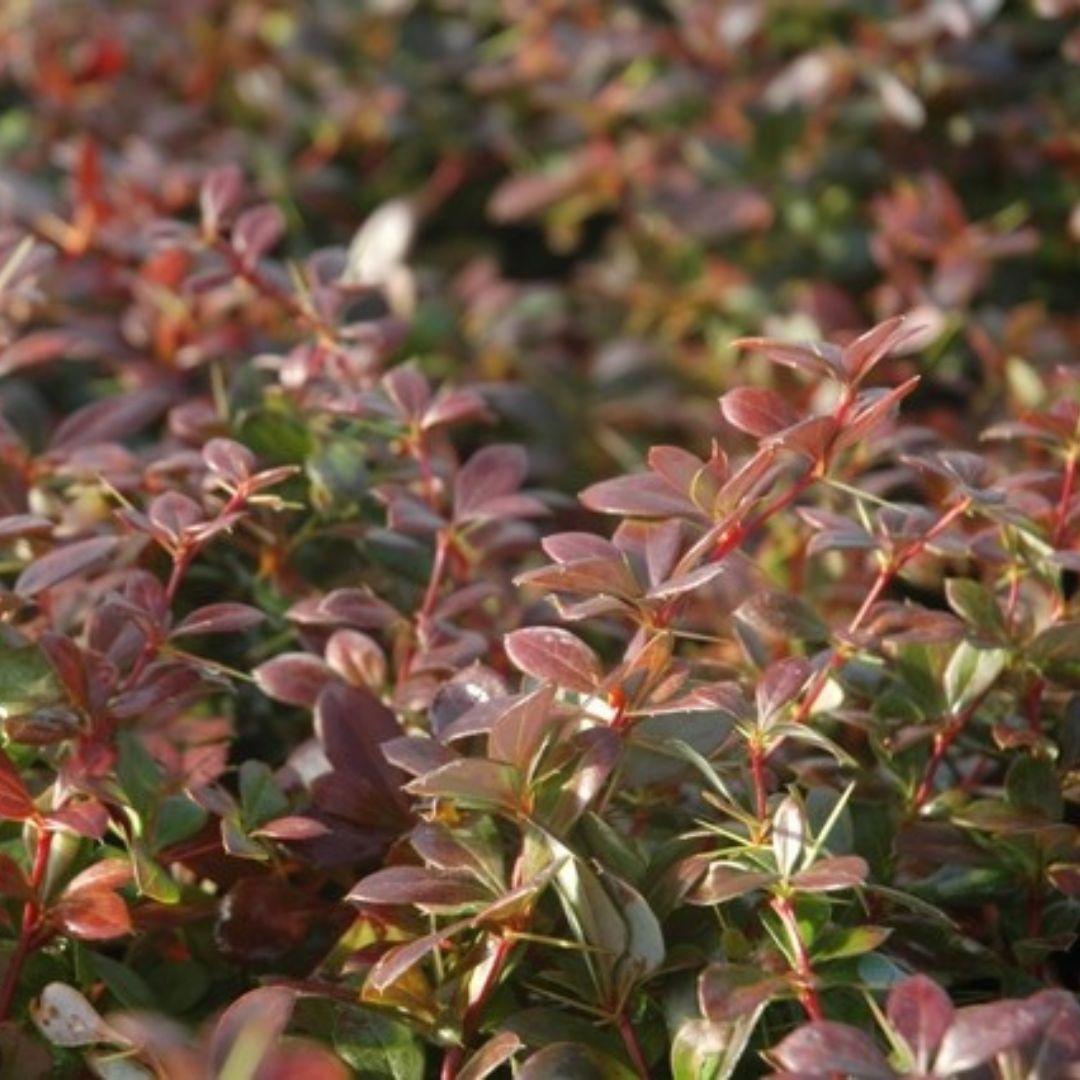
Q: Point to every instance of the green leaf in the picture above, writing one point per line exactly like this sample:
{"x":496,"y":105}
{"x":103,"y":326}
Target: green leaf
{"x":338,"y":474}
{"x":975,"y":604}
{"x":1033,"y":784}
{"x":260,"y":798}
{"x":377,"y":1046}
{"x":838,"y":942}
{"x":1056,"y":653}
{"x":27,"y":681}
{"x":703,"y":1050}
{"x":124,"y":983}
{"x":970,"y":673}
{"x":176,"y":819}
{"x":150,"y":878}
{"x":139,"y":776}
{"x":277,"y":437}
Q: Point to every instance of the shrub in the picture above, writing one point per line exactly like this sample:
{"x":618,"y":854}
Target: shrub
{"x":338,"y":739}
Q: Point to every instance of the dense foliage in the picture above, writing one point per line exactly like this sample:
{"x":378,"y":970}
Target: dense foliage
{"x":339,"y":738}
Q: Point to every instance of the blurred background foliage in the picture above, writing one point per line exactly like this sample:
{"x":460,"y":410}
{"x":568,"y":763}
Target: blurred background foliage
{"x":600,"y":194}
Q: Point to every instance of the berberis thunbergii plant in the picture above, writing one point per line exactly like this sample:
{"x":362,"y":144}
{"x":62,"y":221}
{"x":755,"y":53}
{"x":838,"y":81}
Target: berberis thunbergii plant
{"x":312,"y":767}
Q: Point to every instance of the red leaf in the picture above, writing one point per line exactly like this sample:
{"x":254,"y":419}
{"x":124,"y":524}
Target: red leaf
{"x":64,"y":563}
{"x":489,"y":474}
{"x":547,"y":652}
{"x":359,"y":608}
{"x":729,"y":991}
{"x":639,"y":495}
{"x":824,"y":1048}
{"x":232,"y":461}
{"x":15,"y":801}
{"x":866,"y":351}
{"x":173,"y":513}
{"x":434,"y":889}
{"x":609,"y":576}
{"x":293,"y":678}
{"x":819,"y":358}
{"x":292,"y":827}
{"x":93,"y":915}
{"x":836,"y":872}
{"x":571,"y":547}
{"x":519,"y":730}
{"x":357,"y":658}
{"x":219,"y":195}
{"x":219,"y":619}
{"x":84,"y":817}
{"x":757,"y":411}
{"x":18,"y":525}
{"x":256,"y":231}
{"x":921,"y":1012}
{"x":111,"y":419}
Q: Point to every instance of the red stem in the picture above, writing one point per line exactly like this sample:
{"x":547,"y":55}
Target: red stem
{"x":757,"y":772}
{"x":33,"y":912}
{"x":884,"y":578}
{"x":633,"y":1047}
{"x":808,"y":995}
{"x":454,"y":1056}
{"x":943,"y":742}
{"x":1068,"y":486}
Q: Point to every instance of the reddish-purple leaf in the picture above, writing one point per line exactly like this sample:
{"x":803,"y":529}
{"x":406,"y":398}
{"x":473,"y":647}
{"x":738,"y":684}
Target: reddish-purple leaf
{"x":825,"y":1048}
{"x":684,"y":583}
{"x":569,"y":547}
{"x":261,"y":1014}
{"x":518,"y":731}
{"x":219,"y":194}
{"x":357,"y":658}
{"x":757,"y":411}
{"x":417,"y":755}
{"x":173,"y":513}
{"x":489,"y":474}
{"x":36,"y":347}
{"x":93,"y":915}
{"x":873,"y":408}
{"x":548,"y":652}
{"x":835,"y":872}
{"x":396,"y":961}
{"x":921,"y":1013}
{"x":726,"y":881}
{"x":359,"y":608}
{"x":219,"y":619}
{"x":472,"y":782}
{"x":84,"y":817}
{"x":864,"y":352}
{"x":639,"y":495}
{"x":112,"y":419}
{"x":729,"y":991}
{"x":818,"y":358}
{"x":590,"y":577}
{"x":292,"y":827}
{"x":408,"y":390}
{"x":231,"y":460}
{"x":63,"y":563}
{"x":454,"y":407}
{"x":435,"y":890}
{"x":15,"y":801}
{"x":496,"y":1051}
{"x":293,"y":678}
{"x":16,"y":526}
{"x":979,"y":1033}
{"x":779,"y":685}
{"x":256,"y":231}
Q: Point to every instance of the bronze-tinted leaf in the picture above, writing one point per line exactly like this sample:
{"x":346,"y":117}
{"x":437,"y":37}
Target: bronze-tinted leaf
{"x":550,"y":653}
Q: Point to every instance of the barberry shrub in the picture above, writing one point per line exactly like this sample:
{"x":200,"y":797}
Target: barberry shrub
{"x":313,"y":766}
